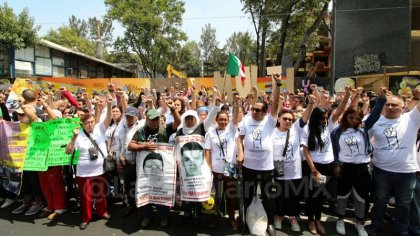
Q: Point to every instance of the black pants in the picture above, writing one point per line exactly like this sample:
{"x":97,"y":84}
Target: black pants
{"x":30,"y":184}
{"x":130,"y":177}
{"x":316,"y":195}
{"x":287,"y":197}
{"x":251,"y":178}
{"x":354,"y":178}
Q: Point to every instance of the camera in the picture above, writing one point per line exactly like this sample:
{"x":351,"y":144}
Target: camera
{"x":93,"y":153}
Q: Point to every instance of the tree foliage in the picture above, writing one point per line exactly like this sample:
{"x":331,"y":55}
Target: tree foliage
{"x":284,"y":26}
{"x":16,"y":31}
{"x":208,"y":43}
{"x":152,"y":29}
{"x":242,"y":45}
{"x":187,"y":59}
{"x":70,"y":38}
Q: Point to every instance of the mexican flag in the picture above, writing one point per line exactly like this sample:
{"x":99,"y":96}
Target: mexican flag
{"x":234,"y":67}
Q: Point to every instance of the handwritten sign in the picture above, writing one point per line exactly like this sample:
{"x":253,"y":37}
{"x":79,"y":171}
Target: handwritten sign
{"x":46,"y":144}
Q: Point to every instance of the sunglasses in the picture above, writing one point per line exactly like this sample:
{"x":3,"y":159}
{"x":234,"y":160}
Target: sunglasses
{"x":287,"y":119}
{"x":256,"y":110}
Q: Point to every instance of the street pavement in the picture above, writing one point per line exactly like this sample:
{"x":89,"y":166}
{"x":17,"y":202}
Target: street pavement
{"x":68,"y":224}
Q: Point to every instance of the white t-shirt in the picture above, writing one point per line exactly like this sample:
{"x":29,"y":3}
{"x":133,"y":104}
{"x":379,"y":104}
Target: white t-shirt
{"x":352,"y":147}
{"x":258,"y":147}
{"x":168,"y":115}
{"x":228,"y":141}
{"x":394,"y":142}
{"x":86,"y":167}
{"x":292,"y":162}
{"x":125,"y":137}
{"x":324,"y":155}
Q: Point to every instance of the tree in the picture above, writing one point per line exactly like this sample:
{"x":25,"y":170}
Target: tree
{"x":89,"y":29}
{"x":152,"y":29}
{"x":208,"y":43}
{"x":242,"y":45}
{"x":307,"y":34}
{"x":68,"y":37}
{"x":16,"y":31}
{"x":187,"y":59}
{"x":260,"y":11}
{"x":79,"y":26}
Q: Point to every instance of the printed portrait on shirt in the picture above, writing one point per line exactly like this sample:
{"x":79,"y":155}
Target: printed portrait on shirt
{"x":391,"y":136}
{"x":257,"y":139}
{"x":351,"y":142}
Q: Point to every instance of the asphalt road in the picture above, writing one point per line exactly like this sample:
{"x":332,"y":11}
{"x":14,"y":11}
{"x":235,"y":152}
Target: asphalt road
{"x":68,"y":224}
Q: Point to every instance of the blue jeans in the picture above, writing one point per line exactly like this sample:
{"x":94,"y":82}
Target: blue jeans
{"x":162,"y":210}
{"x":399,"y":185}
{"x":415,"y":209}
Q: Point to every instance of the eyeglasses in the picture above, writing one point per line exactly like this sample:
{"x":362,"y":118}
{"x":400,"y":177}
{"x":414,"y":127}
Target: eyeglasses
{"x":287,"y":119}
{"x":256,"y":110}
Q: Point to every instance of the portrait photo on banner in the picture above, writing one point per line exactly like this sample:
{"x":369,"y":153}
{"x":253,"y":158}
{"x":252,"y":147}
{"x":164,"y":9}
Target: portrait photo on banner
{"x":156,"y":176}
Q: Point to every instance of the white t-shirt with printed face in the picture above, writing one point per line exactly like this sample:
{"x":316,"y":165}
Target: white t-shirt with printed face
{"x":352,"y":147}
{"x":324,"y":155}
{"x":292,"y":162}
{"x":258,"y":147}
{"x":228,"y":141}
{"x":394,"y":142}
{"x":85,"y":166}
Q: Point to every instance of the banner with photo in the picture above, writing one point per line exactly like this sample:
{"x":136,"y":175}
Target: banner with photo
{"x":195,"y":174}
{"x":13,"y":143}
{"x":156,"y":176}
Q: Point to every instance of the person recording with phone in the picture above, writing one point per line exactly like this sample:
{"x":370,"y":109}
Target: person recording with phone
{"x":318,"y":153}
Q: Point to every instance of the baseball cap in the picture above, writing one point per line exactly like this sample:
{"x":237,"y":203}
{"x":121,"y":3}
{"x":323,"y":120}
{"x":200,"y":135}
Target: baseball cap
{"x":152,"y":114}
{"x":131,"y":111}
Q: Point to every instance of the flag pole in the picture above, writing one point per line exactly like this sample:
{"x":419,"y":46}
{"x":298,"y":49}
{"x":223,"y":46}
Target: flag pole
{"x":224,"y":84}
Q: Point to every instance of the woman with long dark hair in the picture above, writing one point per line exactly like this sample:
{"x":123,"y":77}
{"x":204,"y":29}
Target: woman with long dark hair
{"x":318,"y":153}
{"x":351,"y":147}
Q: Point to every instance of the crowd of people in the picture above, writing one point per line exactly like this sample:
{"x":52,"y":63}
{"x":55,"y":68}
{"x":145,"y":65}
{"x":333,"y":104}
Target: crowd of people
{"x":298,"y":148}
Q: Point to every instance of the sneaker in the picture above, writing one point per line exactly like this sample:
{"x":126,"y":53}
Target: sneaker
{"x":340,"y":227}
{"x":294,"y":224}
{"x":361,"y":230}
{"x":21,"y":208}
{"x":145,"y":222}
{"x":52,"y":216}
{"x":34,"y":209}
{"x":8,"y":202}
{"x":278,"y":222}
{"x":60,"y":211}
{"x":45,"y":213}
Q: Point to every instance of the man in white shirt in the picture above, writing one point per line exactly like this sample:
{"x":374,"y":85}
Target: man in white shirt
{"x":395,"y":164}
{"x":126,"y":159}
{"x":255,"y":153}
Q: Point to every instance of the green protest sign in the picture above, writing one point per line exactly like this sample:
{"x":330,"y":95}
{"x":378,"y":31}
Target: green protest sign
{"x":46,"y":144}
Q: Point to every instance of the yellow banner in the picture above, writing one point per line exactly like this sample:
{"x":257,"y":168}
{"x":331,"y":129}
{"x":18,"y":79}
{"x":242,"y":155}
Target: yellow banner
{"x":13,"y":143}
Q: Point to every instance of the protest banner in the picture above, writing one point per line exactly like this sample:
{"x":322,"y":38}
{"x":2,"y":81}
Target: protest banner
{"x":13,"y":142}
{"x":156,"y":176}
{"x":46,"y":144}
{"x":13,"y":139}
{"x":195,"y":174}
{"x":98,"y":84}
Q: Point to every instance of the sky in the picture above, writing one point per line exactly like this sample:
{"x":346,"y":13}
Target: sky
{"x":226,"y":16}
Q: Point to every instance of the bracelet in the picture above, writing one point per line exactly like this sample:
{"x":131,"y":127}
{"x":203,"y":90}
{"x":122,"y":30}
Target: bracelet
{"x":278,"y":84}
